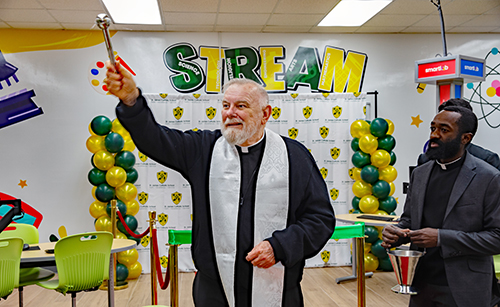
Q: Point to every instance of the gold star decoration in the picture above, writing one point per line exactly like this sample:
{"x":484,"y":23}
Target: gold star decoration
{"x":22,"y":184}
{"x":415,"y":120}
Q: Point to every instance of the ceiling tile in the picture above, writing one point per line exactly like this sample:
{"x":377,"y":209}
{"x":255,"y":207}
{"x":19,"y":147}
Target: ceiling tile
{"x":483,"y":21}
{"x":471,"y":7}
{"x":284,"y":29}
{"x":245,"y":6}
{"x":242,"y":19}
{"x":35,"y":25}
{"x":80,"y":26}
{"x":295,"y":19}
{"x":72,"y":5}
{"x":26,"y":16}
{"x":74,"y":16}
{"x":138,"y":27}
{"x":407,"y":7}
{"x":189,"y":28}
{"x":383,"y":20}
{"x":189,"y":18}
{"x":20,"y":4}
{"x":246,"y":29}
{"x":449,"y":21}
{"x":381,"y":29}
{"x":305,"y":6}
{"x":333,"y":29}
{"x":415,"y":29}
{"x":3,"y":25}
{"x":209,"y":6}
{"x":494,"y":11}
{"x":473,"y":29}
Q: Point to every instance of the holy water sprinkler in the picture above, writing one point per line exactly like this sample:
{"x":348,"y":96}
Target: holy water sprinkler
{"x":103,"y":22}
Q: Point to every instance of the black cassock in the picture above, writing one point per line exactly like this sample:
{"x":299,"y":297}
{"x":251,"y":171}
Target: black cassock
{"x":310,"y":221}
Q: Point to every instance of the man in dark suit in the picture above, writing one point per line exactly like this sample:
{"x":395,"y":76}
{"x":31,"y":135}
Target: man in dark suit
{"x":477,"y":151}
{"x":452,"y":211}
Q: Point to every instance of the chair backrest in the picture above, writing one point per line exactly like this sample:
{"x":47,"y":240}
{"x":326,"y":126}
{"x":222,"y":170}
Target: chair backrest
{"x":10,"y":260}
{"x":82,"y":260}
{"x":27,"y":232}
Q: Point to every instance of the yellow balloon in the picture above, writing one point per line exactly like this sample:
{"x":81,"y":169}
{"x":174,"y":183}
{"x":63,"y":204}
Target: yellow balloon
{"x":128,"y":257}
{"x":90,"y":130}
{"x":356,"y":173}
{"x":103,"y":224}
{"x":393,"y":188}
{"x":116,"y":126}
{"x":391,"y":126}
{"x":129,"y":145}
{"x":93,"y":192}
{"x":132,"y":207}
{"x":120,"y":235}
{"x":388,"y":173}
{"x":361,"y":188}
{"x":95,"y":143}
{"x":104,"y":160}
{"x":97,"y":209}
{"x":381,"y":212}
{"x":371,"y":262}
{"x":368,"y":204}
{"x":368,"y":248}
{"x":368,"y":143}
{"x":380,"y":158}
{"x":126,"y":192}
{"x":359,"y":128}
{"x":134,"y":270}
{"x":116,"y":176}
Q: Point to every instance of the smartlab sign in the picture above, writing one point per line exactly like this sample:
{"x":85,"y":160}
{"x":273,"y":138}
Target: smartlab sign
{"x":335,"y":71}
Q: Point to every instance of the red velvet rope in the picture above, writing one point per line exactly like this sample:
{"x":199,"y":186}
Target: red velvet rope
{"x":163,"y":283}
{"x":130,"y":232}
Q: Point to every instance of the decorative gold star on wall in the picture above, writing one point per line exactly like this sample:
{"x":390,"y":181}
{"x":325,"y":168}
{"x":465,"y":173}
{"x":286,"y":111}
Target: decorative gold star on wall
{"x":22,"y":183}
{"x":415,"y":120}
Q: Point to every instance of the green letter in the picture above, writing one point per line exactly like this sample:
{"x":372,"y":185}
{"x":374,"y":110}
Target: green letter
{"x":304,"y":69}
{"x":188,"y":75}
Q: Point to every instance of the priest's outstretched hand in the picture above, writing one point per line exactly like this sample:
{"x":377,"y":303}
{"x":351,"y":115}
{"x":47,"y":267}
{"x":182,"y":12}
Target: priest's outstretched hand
{"x":262,"y":255}
{"x":121,"y":84}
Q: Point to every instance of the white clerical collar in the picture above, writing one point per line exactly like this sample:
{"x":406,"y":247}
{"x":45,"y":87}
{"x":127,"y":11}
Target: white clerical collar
{"x":443,"y":165}
{"x":244,"y":149}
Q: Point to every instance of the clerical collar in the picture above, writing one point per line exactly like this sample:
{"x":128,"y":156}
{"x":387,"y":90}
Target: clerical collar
{"x":445,"y":166}
{"x":244,"y":149}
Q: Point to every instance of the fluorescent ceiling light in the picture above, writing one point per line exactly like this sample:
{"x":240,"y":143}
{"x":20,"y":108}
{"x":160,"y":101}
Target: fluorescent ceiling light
{"x":353,"y":13}
{"x":133,"y":11}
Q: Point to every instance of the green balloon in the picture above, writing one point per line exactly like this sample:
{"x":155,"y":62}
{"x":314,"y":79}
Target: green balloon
{"x":371,"y":234}
{"x":132,"y":175}
{"x":393,"y":158}
{"x":101,"y":125}
{"x":356,"y":212}
{"x":355,"y":144}
{"x":119,"y":205}
{"x":125,"y":159}
{"x":355,"y":203}
{"x":104,"y":192}
{"x":92,"y":161}
{"x":114,"y":142}
{"x":388,"y":205}
{"x":121,"y":272}
{"x":387,"y":142}
{"x":360,"y":159}
{"x":379,"y":127}
{"x":385,"y":264}
{"x":369,"y":174}
{"x":393,"y":213}
{"x":96,"y":176}
{"x":381,"y":189}
{"x":131,"y":222}
{"x":378,"y":250}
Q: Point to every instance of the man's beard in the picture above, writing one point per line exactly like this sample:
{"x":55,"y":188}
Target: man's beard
{"x":236,"y":136}
{"x":445,"y":150}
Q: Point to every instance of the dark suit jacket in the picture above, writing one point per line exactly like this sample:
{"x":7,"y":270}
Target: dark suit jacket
{"x":471,"y":228}
{"x":477,"y":151}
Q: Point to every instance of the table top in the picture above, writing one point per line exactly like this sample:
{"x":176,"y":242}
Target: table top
{"x":119,"y":245}
{"x":352,"y":218}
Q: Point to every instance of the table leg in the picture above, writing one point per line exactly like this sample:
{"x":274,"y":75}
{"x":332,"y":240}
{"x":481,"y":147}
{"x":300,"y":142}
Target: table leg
{"x":354,"y":266}
{"x":111,"y":282}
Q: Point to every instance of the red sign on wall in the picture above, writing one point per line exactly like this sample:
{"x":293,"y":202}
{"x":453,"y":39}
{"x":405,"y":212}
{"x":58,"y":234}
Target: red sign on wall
{"x":435,"y":69}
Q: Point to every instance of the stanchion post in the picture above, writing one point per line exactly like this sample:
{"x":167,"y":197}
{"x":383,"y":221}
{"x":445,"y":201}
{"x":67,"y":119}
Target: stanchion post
{"x":360,"y":256}
{"x":174,"y":276}
{"x":152,"y":226}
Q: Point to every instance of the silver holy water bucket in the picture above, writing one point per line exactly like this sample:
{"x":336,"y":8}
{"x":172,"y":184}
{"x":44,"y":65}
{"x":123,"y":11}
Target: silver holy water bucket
{"x":404,"y":263}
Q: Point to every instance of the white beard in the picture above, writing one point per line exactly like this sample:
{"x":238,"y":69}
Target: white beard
{"x":235,"y":136}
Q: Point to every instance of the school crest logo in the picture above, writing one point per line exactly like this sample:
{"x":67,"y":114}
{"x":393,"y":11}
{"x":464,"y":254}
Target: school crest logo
{"x":162,"y":176}
{"x":294,"y":95}
{"x":326,"y":95}
{"x":364,"y":110}
{"x":351,"y":173}
{"x":163,"y":219}
{"x":145,"y":241}
{"x":211,"y":112}
{"x":178,"y":112}
{"x":307,"y":111}
{"x":196,"y":96}
{"x":324,"y":172}
{"x":163,"y":95}
{"x":356,"y":94}
{"x":323,"y":131}
{"x":163,"y":261}
{"x":176,"y":197}
{"x":142,"y":157}
{"x":293,"y":132}
{"x":143,"y":197}
{"x":276,"y":112}
{"x":335,"y":152}
{"x":325,"y":256}
{"x":337,"y":111}
{"x":195,"y":129}
{"x":334,"y":193}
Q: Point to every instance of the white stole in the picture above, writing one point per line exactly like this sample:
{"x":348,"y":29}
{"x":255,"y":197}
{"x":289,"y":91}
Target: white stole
{"x":271,"y":212}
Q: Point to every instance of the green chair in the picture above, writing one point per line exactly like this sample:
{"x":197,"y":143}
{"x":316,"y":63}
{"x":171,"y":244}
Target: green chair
{"x":496,"y":261}
{"x":28,"y":276}
{"x":82,"y":262}
{"x":10,"y":260}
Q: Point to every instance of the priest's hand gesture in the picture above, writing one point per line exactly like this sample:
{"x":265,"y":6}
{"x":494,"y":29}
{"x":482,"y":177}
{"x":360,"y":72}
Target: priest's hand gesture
{"x":262,"y":255}
{"x":121,"y":84}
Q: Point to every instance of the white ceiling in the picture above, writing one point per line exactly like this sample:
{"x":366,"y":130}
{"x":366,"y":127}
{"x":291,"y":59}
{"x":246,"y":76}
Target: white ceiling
{"x":260,"y":16}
